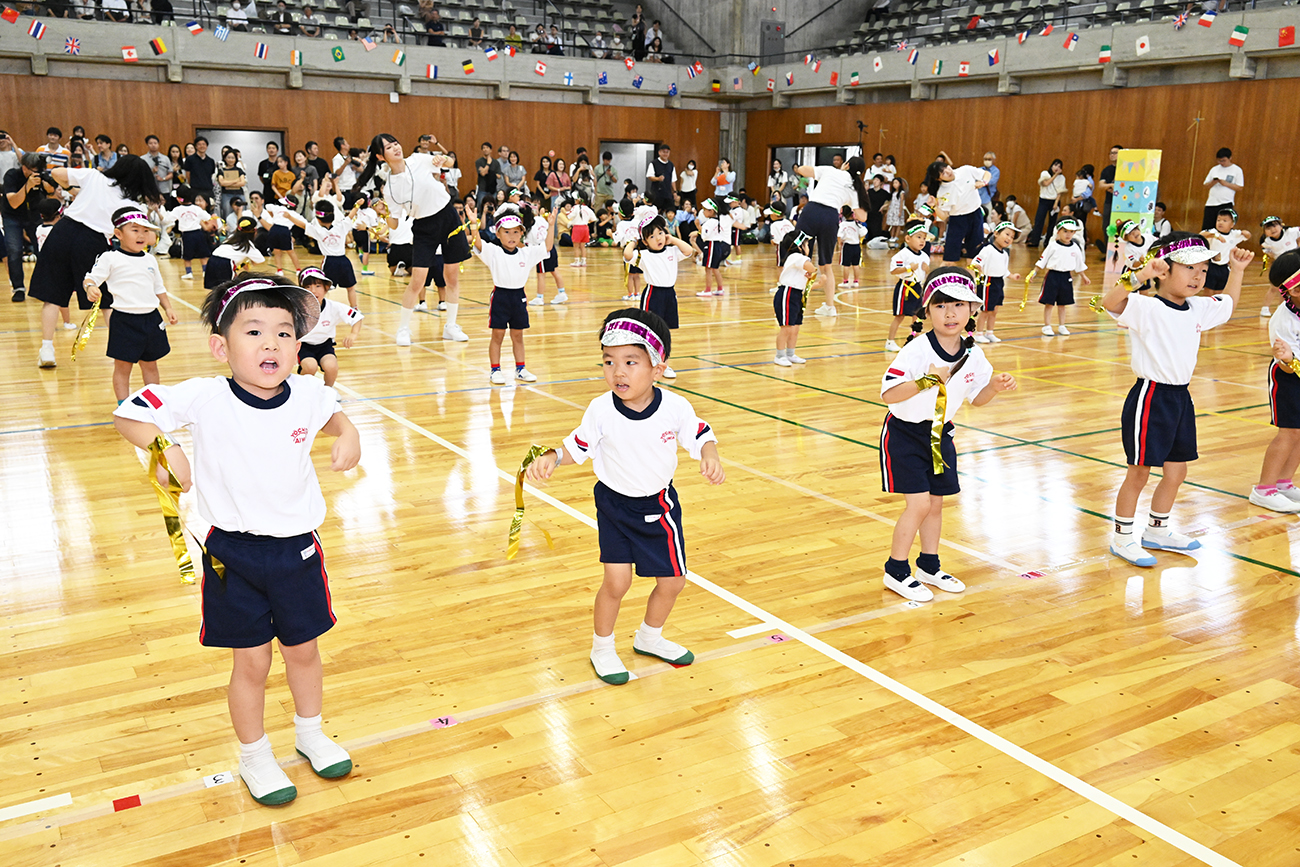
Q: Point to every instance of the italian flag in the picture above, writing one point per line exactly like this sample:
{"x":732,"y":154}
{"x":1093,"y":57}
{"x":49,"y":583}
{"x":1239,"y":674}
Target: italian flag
{"x":1104,"y":55}
{"x":1238,"y":36}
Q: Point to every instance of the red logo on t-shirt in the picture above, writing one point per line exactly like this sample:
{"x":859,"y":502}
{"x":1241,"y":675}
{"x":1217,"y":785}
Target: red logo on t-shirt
{"x":667,"y":436}
{"x":300,"y":435}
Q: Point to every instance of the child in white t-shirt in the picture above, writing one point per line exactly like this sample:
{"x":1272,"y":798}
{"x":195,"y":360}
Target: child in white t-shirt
{"x":850,"y":236}
{"x":317,"y":349}
{"x":1276,"y":238}
{"x":788,"y":302}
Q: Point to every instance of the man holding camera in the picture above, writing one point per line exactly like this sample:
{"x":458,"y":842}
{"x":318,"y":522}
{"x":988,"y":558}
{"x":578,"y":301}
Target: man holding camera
{"x":163,"y":170}
{"x":24,"y":188}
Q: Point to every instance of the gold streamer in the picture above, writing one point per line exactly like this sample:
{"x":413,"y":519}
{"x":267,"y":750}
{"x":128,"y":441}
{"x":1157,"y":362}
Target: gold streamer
{"x":87,"y":326}
{"x":169,"y":501}
{"x":517,"y":522}
{"x":1029,"y":278}
{"x":931,"y":380}
{"x":1264,"y":261}
{"x":1293,"y":365}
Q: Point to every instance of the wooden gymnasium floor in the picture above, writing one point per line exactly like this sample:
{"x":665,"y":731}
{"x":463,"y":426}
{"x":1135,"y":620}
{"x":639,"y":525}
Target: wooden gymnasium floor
{"x":1068,"y":709}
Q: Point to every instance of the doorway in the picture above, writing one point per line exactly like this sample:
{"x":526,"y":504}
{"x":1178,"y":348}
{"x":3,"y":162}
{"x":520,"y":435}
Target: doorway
{"x":630,"y":160}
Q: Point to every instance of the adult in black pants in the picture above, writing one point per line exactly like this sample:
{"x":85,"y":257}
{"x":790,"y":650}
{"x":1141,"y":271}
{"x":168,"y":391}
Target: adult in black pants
{"x":1105,"y":184}
{"x":266,"y":168}
{"x":820,"y":218}
{"x":76,"y":241}
{"x":23,"y":191}
{"x":1051,"y":184}
{"x":661,"y":174}
{"x":957,"y":202}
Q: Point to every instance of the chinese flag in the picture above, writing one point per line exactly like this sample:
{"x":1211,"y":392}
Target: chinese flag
{"x":1286,"y":36}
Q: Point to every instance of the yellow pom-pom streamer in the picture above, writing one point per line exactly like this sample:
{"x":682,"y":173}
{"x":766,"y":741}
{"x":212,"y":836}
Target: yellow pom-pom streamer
{"x":931,"y":380}
{"x":517,"y":522}
{"x":169,"y":501}
{"x":87,"y":326}
{"x":1029,"y":278}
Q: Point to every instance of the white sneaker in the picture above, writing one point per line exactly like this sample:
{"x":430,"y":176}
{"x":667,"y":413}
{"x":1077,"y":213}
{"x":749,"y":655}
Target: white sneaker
{"x":1168,"y":540}
{"x":576,"y":263}
{"x":266,"y":781}
{"x":1292,"y":494}
{"x":46,"y":357}
{"x":403,"y":337}
{"x":736,"y":260}
{"x":442,"y":305}
{"x":189,"y":276}
{"x":831,"y":311}
{"x":845,"y":283}
{"x":980,"y":338}
{"x":821,"y":311}
{"x":561,"y":298}
{"x":797,"y":360}
{"x":662,"y":648}
{"x":707,"y":293}
{"x":908,"y":588}
{"x":1131,"y":549}
{"x":940,"y":579}
{"x":855,"y":282}
{"x":1047,"y":331}
{"x":400,"y":271}
{"x":497,"y":377}
{"x":422,"y":307}
{"x":524,"y":376}
{"x":1263,"y":311}
{"x":69,"y":326}
{"x":609,"y":667}
{"x":717,"y":292}
{"x":1063,"y":331}
{"x":1274,"y":502}
{"x":891,"y":346}
{"x":452,"y":331}
{"x":993,"y":338}
{"x":537,"y":301}
{"x":669,"y":373}
{"x":782,"y":361}
{"x":328,"y":759}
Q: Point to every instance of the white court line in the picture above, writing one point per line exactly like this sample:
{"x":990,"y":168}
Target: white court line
{"x":30,"y":807}
{"x":1114,"y":805}
{"x":756,"y":629}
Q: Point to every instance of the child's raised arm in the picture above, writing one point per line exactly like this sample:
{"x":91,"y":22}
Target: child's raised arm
{"x":1238,"y":261}
{"x":682,"y":245}
{"x":629,"y":251}
{"x":999,"y":383}
{"x":550,"y":229}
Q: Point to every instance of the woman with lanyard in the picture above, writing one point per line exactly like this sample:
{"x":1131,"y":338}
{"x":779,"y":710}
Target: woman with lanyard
{"x":76,"y":241}
{"x":957,"y":201}
{"x":415,"y":187}
{"x":820,"y":218}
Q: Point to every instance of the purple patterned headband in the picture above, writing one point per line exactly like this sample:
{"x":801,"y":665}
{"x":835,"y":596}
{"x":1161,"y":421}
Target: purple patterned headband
{"x":1188,"y":251}
{"x":629,"y":332}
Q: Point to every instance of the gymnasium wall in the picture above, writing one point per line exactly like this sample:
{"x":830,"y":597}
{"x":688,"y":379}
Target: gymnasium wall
{"x":1258,"y":120}
{"x":130,"y":110}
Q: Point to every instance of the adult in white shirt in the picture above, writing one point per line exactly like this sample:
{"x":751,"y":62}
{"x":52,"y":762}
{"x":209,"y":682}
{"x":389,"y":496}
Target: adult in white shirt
{"x":1225,"y":180}
{"x":416,"y":187}
{"x":820,"y":219}
{"x":236,"y":17}
{"x":1051,"y":186}
{"x":957,"y":201}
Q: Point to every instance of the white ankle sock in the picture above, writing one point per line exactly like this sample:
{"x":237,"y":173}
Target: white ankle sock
{"x":404,"y":319}
{"x":323,"y":753}
{"x":452,"y":310}
{"x":260,"y":748}
{"x":604,"y":657}
{"x":47,"y":344}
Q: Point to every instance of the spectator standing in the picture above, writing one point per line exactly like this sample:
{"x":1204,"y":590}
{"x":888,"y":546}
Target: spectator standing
{"x":315,"y":160}
{"x":638,"y":34}
{"x":1105,"y":184}
{"x":1051,"y":186}
{"x":662,"y":176}
{"x":655,"y":32}
{"x":543,"y":172}
{"x":266,"y":167}
{"x":488,"y":172}
{"x":231,"y":181}
{"x":724,"y":179}
{"x":305,"y":173}
{"x":558,"y":182}
{"x":989,"y":194}
{"x":200,"y":169}
{"x":606,"y":179}
{"x":584,"y":183}
{"x":308,"y":25}
{"x":554,"y":42}
{"x":514,"y":172}
{"x":503,"y":160}
{"x":55,"y":153}
{"x":162,"y":165}
{"x":1225,"y":180}
{"x":689,"y":179}
{"x":344,"y":175}
{"x":104,"y":159}
{"x":10,"y":154}
{"x":23,"y":192}
{"x":436,"y":29}
{"x":779,"y":187}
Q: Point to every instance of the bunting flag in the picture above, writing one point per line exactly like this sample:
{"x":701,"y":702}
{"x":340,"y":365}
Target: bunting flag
{"x":468,"y":66}
{"x":735,"y":85}
{"x":973,"y":23}
{"x":1285,"y":36}
{"x":1071,"y":41}
{"x":835,"y":78}
{"x":691,"y":72}
{"x":855,"y":79}
{"x":993,"y":57}
{"x":807,"y":59}
{"x":1238,"y":36}
{"x":337,"y":53}
{"x":539,"y":67}
{"x":1207,"y":18}
{"x":637,"y":82}
{"x":430,"y":71}
{"x":629,"y":62}
{"x":491,"y":52}
{"x":937,"y":68}
{"x":672,"y":89}
{"x":399,"y":57}
{"x":568,"y":79}
{"x":877,"y":64}
{"x":1104,"y":55}
{"x":295,"y":58}
{"x":221,"y":32}
{"x":771,"y":84}
{"x":368,"y":43}
{"x":913,"y":56}
{"x":157,"y":46}
{"x":261,"y":51}
{"x":129,"y":54}
{"x":194,"y":27}
{"x":510,"y":51}
{"x":1143,"y":45}
{"x":754,"y":68}
{"x":789,"y":79}
{"x":1022,"y":36}
{"x":963,"y":69}
{"x":698,"y":67}
{"x":72,"y":45}
{"x":817,"y":66}
{"x":36,"y":30}
{"x":10,"y":15}
{"x":902,"y":46}
{"x":717,"y":85}
{"x":1047,"y":29}
{"x":603,"y":78}
{"x":1181,"y":21}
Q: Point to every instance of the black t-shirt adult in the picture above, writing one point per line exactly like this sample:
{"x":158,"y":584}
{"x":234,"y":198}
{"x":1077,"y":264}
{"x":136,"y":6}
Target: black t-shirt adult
{"x":487,"y":183}
{"x":200,"y":171}
{"x":1108,"y":177}
{"x":265,"y":169}
{"x":322,"y":168}
{"x":436,"y":29}
{"x":661,"y":192}
{"x":15,"y":180}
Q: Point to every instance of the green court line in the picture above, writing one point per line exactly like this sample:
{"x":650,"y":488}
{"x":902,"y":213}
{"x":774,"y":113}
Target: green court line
{"x":797,"y":424}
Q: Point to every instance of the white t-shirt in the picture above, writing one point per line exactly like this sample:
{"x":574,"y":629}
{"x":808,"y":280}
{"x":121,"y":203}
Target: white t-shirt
{"x":660,"y":268}
{"x":251,"y":463}
{"x":689,"y":177}
{"x":333,"y":239}
{"x":992,"y":262}
{"x":1049,"y":186}
{"x":582,"y":215}
{"x":403,"y":233}
{"x":277,"y":214}
{"x":1133,"y":253}
{"x":635,"y":453}
{"x":133,"y":278}
{"x":792,"y":273}
{"x":960,"y":195}
{"x":1274,"y":248}
{"x":716,"y":229}
{"x":43,"y":232}
{"x":1160,"y":228}
{"x":97,"y":201}
{"x":625,"y":231}
{"x":1062,"y":257}
{"x":419,"y":190}
{"x":1164,"y":338}
{"x":780,"y":229}
{"x":512,"y":270}
{"x":852,"y":232}
{"x":1284,"y":324}
{"x":918,"y":263}
{"x":1219,"y":194}
{"x":834,"y":188}
{"x":1222,"y":245}
{"x":343,"y":173}
{"x":331,"y":314}
{"x":915,"y":359}
{"x":236,"y":255}
{"x":188,"y":218}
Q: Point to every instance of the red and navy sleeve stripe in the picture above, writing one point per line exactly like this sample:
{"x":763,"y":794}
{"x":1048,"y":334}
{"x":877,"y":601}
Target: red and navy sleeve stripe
{"x":894,"y":373}
{"x":580,"y":444}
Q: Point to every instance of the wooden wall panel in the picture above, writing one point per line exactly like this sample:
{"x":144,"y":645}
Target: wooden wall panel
{"x":1258,"y":120}
{"x":128,"y":111}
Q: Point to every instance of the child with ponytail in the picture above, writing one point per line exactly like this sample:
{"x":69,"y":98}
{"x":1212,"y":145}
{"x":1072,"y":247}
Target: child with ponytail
{"x":233,"y":253}
{"x":924,"y":386}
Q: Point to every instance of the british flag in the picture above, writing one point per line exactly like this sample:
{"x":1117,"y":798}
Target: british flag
{"x":1181,"y":21}
{"x":72,"y":45}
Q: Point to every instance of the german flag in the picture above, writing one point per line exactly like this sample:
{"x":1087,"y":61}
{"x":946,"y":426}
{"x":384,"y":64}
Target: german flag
{"x":158,"y":46}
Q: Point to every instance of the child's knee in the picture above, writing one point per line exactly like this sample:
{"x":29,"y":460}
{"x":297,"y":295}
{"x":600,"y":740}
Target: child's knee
{"x":252,"y":663}
{"x":300,"y":654}
{"x":309,"y":366}
{"x":673,"y":584}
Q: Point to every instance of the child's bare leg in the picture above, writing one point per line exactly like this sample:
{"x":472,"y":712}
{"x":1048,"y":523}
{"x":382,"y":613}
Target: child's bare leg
{"x":1047,"y":314}
{"x":662,"y":599}
{"x":329,"y":366}
{"x":618,"y":580}
{"x":992,"y":319}
{"x":246,"y":696}
{"x":1282,"y":456}
{"x":494,"y":346}
{"x":1135,"y":479}
{"x":303,"y":671}
{"x":293,"y":257}
{"x":793,"y":339}
{"x":149,"y":371}
{"x":309,"y":366}
{"x":66,"y":314}
{"x":559,"y":281}
{"x":915,"y":510}
{"x":893,"y":326}
{"x":932,"y":526}
{"x":828,"y":283}
{"x":352,"y":297}
{"x":516,"y":345}
{"x":1162,"y":499}
{"x":418,"y":277}
{"x":1060,"y":314}
{"x":121,"y":379}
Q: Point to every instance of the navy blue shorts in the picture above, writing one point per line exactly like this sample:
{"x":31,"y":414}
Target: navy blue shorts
{"x":339,"y":270}
{"x":280,"y":237}
{"x":644,"y":531}
{"x":851,"y":255}
{"x":715,"y":252}
{"x":273,"y":588}
{"x":994,"y":293}
{"x":137,"y":337}
{"x":907,"y":299}
{"x":787,"y":304}
{"x":315,"y":351}
{"x":194,"y":244}
{"x":1058,"y":289}
{"x":1216,"y":278}
{"x":218,"y":270}
{"x":1158,"y":424}
{"x":508,"y":308}
{"x":907,"y":462}
{"x":662,"y":301}
{"x":69,"y":253}
{"x":1283,"y":397}
{"x":550,"y":263}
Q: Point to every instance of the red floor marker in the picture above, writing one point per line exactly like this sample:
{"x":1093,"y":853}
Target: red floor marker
{"x":126,"y":803}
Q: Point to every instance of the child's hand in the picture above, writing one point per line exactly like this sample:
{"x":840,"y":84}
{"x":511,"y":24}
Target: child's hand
{"x":942,"y":371}
{"x":1239,"y":259}
{"x":541,"y":468}
{"x":172,"y":318}
{"x":92,"y":292}
{"x":1003,"y":382}
{"x":346,"y":452}
{"x":1156,"y":268}
{"x":711,"y":469}
{"x":347,"y":341}
{"x":1282,"y":352}
{"x":1085,"y":279}
{"x":1017,"y":277}
{"x":180,"y":467}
